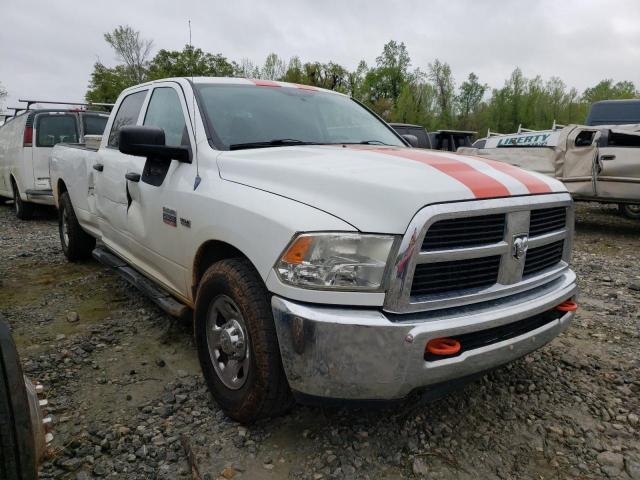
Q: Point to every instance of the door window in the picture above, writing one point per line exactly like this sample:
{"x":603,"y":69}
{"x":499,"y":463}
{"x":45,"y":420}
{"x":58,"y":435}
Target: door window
{"x":94,"y":124}
{"x":127,"y":115}
{"x":164,"y":111}
{"x":53,"y":129}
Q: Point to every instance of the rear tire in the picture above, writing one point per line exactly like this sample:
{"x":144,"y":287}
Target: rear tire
{"x":234,"y":323}
{"x":23,"y":210}
{"x":77,"y":244}
{"x":17,"y":443}
{"x":629,"y":210}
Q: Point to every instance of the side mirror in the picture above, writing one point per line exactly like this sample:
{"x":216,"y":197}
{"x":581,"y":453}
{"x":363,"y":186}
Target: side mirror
{"x":145,"y":141}
{"x":412,"y":139}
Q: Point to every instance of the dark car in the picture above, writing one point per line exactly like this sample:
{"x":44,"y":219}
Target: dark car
{"x":448,"y":140}
{"x":614,"y":112}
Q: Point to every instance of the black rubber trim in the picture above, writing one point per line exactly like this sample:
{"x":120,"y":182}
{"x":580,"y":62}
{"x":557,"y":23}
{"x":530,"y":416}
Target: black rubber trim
{"x":17,"y":444}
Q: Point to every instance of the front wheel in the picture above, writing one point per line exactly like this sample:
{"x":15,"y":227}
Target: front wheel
{"x":237,"y":343}
{"x":630,"y":211}
{"x":77,"y":244}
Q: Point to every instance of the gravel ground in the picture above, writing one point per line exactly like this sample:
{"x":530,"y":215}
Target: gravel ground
{"x":125,"y":387}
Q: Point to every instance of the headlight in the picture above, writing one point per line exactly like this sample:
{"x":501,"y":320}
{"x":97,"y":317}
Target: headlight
{"x":344,"y":261}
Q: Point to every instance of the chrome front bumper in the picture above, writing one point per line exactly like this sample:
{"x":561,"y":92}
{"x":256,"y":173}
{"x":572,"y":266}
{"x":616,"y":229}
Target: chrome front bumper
{"x":365,"y":354}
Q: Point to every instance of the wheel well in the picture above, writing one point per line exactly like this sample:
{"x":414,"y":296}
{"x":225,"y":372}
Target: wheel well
{"x":209,"y":253}
{"x":61,"y":187}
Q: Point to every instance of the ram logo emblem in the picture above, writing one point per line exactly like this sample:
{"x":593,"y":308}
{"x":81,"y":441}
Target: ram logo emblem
{"x":520,"y":246}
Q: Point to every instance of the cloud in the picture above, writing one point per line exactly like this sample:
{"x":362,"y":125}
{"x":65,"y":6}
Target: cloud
{"x":48,"y":50}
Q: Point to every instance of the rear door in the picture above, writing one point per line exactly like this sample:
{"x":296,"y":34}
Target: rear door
{"x":112,"y":196}
{"x":49,"y":129}
{"x":618,"y":168}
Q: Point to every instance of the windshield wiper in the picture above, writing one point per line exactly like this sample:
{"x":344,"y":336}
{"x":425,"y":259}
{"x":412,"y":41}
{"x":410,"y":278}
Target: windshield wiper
{"x":372,"y":142}
{"x":278,"y":142}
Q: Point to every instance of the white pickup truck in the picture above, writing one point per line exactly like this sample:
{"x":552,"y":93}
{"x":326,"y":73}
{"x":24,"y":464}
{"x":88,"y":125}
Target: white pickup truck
{"x":319,"y":256}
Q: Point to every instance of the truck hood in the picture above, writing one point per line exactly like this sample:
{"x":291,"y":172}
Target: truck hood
{"x":377,"y":189}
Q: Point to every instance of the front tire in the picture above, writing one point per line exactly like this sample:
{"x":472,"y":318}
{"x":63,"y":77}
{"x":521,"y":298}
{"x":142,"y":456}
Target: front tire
{"x":237,"y":343}
{"x":23,"y":210}
{"x":629,"y":210}
{"x":77,"y":244}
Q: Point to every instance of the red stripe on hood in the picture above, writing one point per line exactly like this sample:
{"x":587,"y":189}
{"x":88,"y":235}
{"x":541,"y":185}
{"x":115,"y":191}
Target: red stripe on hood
{"x":265,"y":83}
{"x":481,"y":184}
{"x":533,"y":183}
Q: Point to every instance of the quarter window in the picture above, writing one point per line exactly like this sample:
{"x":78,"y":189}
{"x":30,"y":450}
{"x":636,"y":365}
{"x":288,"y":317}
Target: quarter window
{"x":164,"y":111}
{"x":127,"y":115}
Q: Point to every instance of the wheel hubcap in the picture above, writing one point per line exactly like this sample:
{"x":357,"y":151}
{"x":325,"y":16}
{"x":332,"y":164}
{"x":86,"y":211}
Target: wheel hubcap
{"x":228,"y":342}
{"x":634,"y":208}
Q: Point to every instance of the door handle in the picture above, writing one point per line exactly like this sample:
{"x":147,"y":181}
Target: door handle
{"x":607,"y":157}
{"x":132,"y":176}
{"x":98,"y":167}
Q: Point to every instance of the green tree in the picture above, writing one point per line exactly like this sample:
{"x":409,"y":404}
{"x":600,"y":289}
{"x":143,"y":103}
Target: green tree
{"x":106,"y":83}
{"x":274,"y":68}
{"x":294,"y":73}
{"x":469,"y":98}
{"x":131,"y":49}
{"x":607,"y":90}
{"x":190,"y":62}
{"x":442,"y":80}
{"x":387,"y":79}
{"x":3,"y":95}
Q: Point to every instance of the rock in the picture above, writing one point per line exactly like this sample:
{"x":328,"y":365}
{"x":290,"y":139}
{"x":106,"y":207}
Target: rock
{"x":71,"y":464}
{"x":634,"y":285}
{"x":632,"y":468}
{"x":182,"y":373}
{"x":420,"y":467}
{"x":611,"y":459}
{"x":633,"y":419}
{"x":228,"y":472}
{"x":160,"y":362}
{"x":73,"y":317}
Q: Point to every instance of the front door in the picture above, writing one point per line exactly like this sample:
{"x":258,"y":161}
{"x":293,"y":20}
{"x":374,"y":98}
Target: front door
{"x":158,"y":218}
{"x":618,"y":169}
{"x":576,"y":165}
{"x":112,"y":196}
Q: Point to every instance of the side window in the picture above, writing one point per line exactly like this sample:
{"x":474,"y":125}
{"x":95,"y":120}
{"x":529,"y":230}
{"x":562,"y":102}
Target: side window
{"x":127,"y":115}
{"x":164,"y":111}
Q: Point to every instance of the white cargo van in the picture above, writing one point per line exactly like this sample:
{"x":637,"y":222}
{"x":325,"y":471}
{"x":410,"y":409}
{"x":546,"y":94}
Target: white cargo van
{"x":25,"y":144}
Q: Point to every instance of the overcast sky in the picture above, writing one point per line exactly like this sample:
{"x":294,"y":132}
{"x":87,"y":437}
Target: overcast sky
{"x":48,"y":48}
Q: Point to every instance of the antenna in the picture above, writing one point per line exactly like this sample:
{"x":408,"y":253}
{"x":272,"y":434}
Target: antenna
{"x":193,"y":119}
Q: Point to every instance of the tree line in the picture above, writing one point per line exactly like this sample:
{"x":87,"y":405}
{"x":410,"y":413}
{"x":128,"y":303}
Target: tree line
{"x":390,"y":86}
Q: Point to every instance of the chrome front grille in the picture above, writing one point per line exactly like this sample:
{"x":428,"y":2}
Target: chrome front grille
{"x":459,"y":254}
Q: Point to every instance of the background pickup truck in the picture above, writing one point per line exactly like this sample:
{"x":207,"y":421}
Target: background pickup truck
{"x":597,"y":163}
{"x":318,"y":256}
{"x":448,"y":140}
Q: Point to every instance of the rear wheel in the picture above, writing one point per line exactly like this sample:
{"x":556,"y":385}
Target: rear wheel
{"x":630,"y":210}
{"x":237,"y":343}
{"x":23,"y":210}
{"x":77,"y":244}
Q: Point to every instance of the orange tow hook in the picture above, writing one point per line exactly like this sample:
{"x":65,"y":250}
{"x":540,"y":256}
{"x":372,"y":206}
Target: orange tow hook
{"x":443,"y":346}
{"x":568,"y":306}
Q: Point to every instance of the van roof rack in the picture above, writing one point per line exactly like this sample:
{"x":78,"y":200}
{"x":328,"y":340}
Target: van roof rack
{"x":84,"y":104}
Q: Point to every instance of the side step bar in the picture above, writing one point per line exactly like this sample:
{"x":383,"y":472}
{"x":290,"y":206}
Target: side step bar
{"x":158,"y":296}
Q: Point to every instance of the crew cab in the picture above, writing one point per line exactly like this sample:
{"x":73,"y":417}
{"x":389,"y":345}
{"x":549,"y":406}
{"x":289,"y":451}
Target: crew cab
{"x":318,"y":255}
{"x":26,"y":141}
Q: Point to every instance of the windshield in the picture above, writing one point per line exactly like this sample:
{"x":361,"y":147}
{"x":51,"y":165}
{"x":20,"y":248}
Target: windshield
{"x":240,"y":114}
{"x":94,"y":124}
